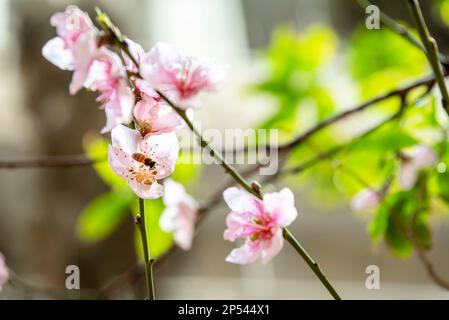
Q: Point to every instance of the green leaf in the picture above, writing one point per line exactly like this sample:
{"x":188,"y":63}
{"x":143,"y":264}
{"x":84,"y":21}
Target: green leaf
{"x":159,"y":241}
{"x":402,"y":215}
{"x":443,"y":186}
{"x":101,"y":217}
{"x":379,"y":225}
{"x":186,"y":171}
{"x":422,"y":232}
{"x":380,"y":70}
{"x":397,"y":241}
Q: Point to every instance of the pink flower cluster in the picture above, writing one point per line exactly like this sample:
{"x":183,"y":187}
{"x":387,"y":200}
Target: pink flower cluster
{"x":144,"y":146}
{"x":95,"y":67}
{"x":128,"y":86}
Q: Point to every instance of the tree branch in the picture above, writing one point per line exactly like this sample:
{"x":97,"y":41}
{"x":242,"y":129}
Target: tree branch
{"x":432,"y":51}
{"x":78,"y":160}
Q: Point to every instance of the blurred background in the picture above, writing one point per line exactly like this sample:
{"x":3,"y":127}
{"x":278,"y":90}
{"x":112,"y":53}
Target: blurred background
{"x":292,"y":63}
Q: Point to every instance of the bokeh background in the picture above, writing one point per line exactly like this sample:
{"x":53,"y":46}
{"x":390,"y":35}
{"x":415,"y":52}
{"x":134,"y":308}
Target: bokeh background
{"x":40,"y":209}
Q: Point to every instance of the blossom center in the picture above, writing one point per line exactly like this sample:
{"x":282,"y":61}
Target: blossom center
{"x":260,"y":229}
{"x":145,"y":172}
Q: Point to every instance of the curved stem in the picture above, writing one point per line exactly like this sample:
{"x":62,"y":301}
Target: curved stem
{"x":140,"y":221}
{"x":432,"y":51}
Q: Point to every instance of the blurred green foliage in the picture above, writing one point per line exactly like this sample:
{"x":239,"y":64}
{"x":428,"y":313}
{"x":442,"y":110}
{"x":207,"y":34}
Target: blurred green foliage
{"x":442,"y":7}
{"x":380,"y":60}
{"x":293,"y":75}
{"x":377,"y":61}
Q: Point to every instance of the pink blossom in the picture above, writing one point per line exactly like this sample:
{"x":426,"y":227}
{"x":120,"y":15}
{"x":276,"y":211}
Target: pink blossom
{"x":182,"y":77}
{"x":4,"y":273}
{"x":107,"y":75}
{"x":75,"y":46}
{"x":421,"y":157}
{"x":180,"y":214}
{"x":143,"y":161}
{"x":152,"y":114}
{"x":259,"y":222}
{"x":365,"y":199}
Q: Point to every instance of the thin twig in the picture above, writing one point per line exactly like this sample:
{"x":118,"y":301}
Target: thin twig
{"x":333,"y":151}
{"x":79,"y":160}
{"x":401,"y":92}
{"x":432,"y":51}
{"x":433,"y":274}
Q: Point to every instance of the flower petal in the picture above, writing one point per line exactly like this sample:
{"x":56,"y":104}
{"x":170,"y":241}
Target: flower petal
{"x":145,"y":88}
{"x":365,"y":199}
{"x":83,"y":53}
{"x":273,"y":248}
{"x":246,"y":254}
{"x":149,"y":192}
{"x":71,"y":23}
{"x":174,"y":192}
{"x":239,"y":200}
{"x":120,"y":162}
{"x":126,"y":139}
{"x":156,"y":117}
{"x":163,"y":149}
{"x":234,"y":223}
{"x":281,"y":206}
{"x":56,"y":52}
{"x":168,"y":218}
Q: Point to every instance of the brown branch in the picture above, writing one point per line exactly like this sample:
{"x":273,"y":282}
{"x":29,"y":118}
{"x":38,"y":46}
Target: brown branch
{"x":401,"y":93}
{"x":334,"y":150}
{"x":49,"y":162}
{"x":436,"y":278}
{"x":420,"y":251}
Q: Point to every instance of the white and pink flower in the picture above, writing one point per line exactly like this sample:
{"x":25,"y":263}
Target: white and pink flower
{"x":143,"y":161}
{"x":107,"y":75}
{"x":182,"y":77}
{"x":75,"y":47}
{"x":4,"y":273}
{"x":421,"y":157}
{"x":180,"y":214}
{"x":259,"y":222}
{"x":365,"y":199}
